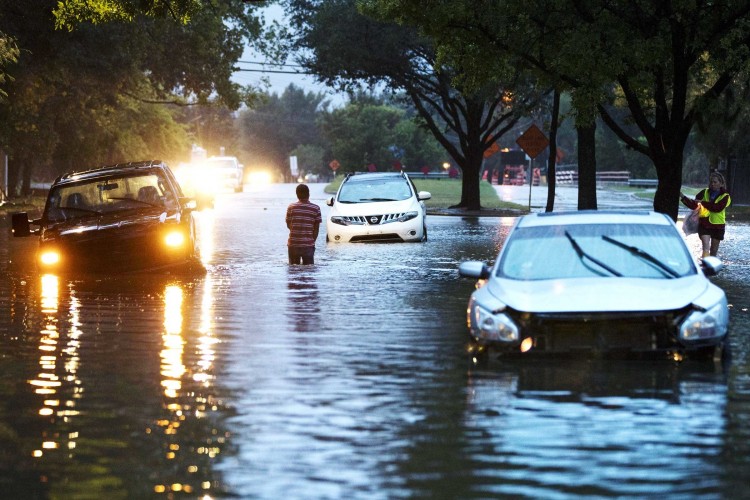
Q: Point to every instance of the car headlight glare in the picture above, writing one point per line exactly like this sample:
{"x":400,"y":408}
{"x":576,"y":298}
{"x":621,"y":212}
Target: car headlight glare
{"x":494,"y":326}
{"x":174,"y":239}
{"x":709,"y":324}
{"x":49,"y":257}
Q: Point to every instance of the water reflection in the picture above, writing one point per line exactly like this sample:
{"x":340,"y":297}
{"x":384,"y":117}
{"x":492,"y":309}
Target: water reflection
{"x":304,"y":300}
{"x":58,"y":363}
{"x":545,"y":424}
{"x":98,"y":398}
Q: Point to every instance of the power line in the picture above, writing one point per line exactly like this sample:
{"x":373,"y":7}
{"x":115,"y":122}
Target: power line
{"x":260,"y":63}
{"x":274,"y":71}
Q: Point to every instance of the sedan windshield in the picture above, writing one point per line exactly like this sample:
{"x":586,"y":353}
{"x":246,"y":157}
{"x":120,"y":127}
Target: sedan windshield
{"x":107,"y":195}
{"x":580,"y":251}
{"x":373,"y":190}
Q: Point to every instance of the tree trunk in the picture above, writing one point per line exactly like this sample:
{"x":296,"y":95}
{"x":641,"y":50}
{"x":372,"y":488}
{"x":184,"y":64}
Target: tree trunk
{"x":669,"y":173}
{"x":586,"y":166}
{"x":471,"y":169}
{"x":552,"y":160}
{"x":26,"y":180}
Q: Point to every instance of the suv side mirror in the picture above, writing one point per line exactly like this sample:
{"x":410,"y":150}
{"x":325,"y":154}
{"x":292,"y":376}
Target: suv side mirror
{"x":329,"y":201}
{"x":20,"y":225}
{"x":424,"y":195}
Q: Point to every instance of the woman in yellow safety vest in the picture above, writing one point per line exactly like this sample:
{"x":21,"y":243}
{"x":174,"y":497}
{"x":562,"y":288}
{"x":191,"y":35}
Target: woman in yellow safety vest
{"x":713,"y":201}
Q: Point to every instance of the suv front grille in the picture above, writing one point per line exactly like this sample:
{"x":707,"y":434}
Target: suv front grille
{"x":373,"y":220}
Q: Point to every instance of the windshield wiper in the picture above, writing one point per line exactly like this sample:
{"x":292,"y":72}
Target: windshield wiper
{"x":377,"y":199}
{"x":642,"y":254}
{"x":583,"y":255}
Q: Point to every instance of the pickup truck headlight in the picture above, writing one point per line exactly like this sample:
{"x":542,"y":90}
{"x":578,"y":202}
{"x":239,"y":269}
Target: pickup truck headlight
{"x":705,"y":325}
{"x":174,"y":239}
{"x":490,"y":325}
{"x":49,"y":257}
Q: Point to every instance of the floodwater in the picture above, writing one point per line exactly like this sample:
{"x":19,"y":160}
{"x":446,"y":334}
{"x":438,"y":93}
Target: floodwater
{"x":346,"y":379}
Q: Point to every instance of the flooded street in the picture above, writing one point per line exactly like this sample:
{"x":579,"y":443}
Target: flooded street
{"x":346,"y":379}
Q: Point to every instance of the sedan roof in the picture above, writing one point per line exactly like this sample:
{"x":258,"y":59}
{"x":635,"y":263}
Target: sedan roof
{"x":593,"y":217}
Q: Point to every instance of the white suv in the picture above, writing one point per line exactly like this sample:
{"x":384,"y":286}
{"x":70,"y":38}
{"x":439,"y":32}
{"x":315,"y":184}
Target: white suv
{"x":377,"y":207}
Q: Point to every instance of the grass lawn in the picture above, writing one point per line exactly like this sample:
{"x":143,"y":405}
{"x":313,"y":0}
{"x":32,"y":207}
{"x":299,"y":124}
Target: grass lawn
{"x":446,"y":193}
{"x":23,"y":204}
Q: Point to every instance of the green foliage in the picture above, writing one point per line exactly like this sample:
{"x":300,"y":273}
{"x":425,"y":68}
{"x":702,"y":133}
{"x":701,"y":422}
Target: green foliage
{"x":271,"y":130}
{"x":361,"y":135}
{"x":71,"y":13}
{"x":8,"y":54}
{"x":114,"y":91}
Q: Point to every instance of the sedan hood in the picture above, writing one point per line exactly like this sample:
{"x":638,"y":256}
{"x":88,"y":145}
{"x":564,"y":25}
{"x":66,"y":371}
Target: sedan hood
{"x":599,"y":294}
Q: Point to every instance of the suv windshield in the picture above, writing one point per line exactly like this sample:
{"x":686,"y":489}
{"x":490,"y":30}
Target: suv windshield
{"x":360,"y":190}
{"x":110,"y":194}
{"x":580,"y":251}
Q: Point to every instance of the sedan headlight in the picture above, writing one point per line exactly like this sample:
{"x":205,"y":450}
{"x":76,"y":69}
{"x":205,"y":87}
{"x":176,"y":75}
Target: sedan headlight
{"x":704,"y":325}
{"x":490,"y":325}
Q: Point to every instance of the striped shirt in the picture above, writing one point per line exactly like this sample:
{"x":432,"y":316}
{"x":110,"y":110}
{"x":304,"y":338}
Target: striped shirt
{"x":301,"y":217}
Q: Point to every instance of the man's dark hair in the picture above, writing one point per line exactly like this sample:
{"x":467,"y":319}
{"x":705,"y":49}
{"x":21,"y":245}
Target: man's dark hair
{"x":303,"y":192}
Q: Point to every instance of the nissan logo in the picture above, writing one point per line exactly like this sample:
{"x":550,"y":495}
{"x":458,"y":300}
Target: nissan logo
{"x":373,"y":220}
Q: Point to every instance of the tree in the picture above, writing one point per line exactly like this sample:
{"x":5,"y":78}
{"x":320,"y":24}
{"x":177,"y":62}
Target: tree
{"x":347,"y":49}
{"x":89,"y":96}
{"x":70,"y":13}
{"x":8,"y":54}
{"x":669,"y":61}
{"x":279,"y":123}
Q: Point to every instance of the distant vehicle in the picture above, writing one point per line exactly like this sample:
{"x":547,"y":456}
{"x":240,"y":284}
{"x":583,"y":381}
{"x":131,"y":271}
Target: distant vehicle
{"x":124,"y":217}
{"x":602,"y":283}
{"x":377,"y":207}
{"x":227,"y":170}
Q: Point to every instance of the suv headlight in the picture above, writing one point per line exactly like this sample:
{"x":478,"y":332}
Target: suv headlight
{"x":709,"y":324}
{"x":345,"y":221}
{"x":487,"y":325}
{"x":408,"y":216}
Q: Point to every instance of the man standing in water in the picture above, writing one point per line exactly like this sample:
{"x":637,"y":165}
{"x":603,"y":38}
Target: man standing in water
{"x":303,"y":220}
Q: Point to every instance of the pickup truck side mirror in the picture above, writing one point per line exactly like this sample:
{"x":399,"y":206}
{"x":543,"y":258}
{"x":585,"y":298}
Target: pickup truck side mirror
{"x":20,"y":225}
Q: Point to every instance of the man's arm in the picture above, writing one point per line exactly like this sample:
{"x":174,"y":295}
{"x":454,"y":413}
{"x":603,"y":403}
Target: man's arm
{"x":316,"y":230}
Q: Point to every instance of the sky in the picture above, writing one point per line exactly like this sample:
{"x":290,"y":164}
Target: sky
{"x":278,"y":81}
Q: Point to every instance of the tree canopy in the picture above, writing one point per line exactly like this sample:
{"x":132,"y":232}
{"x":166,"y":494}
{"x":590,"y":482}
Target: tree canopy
{"x":345,"y":48}
{"x":665,"y":62}
{"x":111,"y":91}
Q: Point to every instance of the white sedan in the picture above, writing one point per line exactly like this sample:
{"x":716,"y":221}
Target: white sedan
{"x":605,"y":283}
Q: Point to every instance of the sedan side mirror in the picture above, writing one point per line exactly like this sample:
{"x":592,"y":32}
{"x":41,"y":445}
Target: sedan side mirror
{"x":474,"y":269}
{"x":711,"y":266}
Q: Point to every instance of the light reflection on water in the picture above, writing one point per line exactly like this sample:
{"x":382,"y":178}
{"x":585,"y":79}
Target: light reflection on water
{"x":342,"y":379}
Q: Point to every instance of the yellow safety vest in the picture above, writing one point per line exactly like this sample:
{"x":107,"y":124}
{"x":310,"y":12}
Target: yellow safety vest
{"x":715,"y":217}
